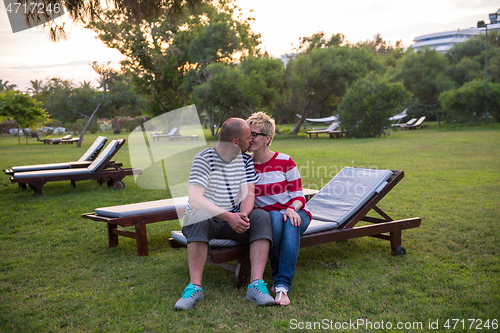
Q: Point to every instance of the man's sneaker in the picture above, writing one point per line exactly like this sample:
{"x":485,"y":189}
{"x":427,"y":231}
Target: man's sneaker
{"x":258,"y":293}
{"x":189,"y":297}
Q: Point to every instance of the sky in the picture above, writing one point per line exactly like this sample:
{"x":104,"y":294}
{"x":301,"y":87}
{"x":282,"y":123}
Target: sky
{"x":30,"y":55}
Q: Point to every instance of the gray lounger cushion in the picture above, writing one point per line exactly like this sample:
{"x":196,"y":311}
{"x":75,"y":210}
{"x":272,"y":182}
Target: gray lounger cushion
{"x":98,"y":144}
{"x":343,"y":196}
{"x":103,"y":155}
{"x":39,"y":167}
{"x":142,"y":208}
{"x":179,"y":237}
{"x":48,"y":173}
{"x":346,"y":193}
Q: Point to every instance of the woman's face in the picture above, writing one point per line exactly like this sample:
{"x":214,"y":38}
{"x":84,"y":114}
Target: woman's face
{"x":258,"y":139}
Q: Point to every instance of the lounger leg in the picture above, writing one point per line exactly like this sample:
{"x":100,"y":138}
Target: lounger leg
{"x":242,"y":271}
{"x":142,"y":240}
{"x":112,"y":237}
{"x":395,"y":238}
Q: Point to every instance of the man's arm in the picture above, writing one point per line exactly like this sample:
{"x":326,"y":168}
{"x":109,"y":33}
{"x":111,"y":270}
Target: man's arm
{"x":248,"y":195}
{"x":237,"y":221}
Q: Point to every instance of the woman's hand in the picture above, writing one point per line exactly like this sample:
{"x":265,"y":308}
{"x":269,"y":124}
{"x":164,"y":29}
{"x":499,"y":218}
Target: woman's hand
{"x":293,"y":216}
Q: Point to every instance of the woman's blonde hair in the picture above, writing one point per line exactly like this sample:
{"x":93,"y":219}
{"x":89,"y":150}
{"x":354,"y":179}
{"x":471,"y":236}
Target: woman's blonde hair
{"x":264,"y":122}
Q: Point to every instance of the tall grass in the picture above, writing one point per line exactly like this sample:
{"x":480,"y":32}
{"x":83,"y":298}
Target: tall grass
{"x":57,"y":273}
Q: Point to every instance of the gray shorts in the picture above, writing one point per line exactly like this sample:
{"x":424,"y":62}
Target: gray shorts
{"x":205,"y":230}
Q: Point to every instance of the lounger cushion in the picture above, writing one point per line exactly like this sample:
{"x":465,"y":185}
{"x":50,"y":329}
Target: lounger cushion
{"x":142,"y":208}
{"x":103,"y":155}
{"x":97,"y":145}
{"x":36,"y":167}
{"x":346,"y":193}
{"x":179,"y":237}
{"x":318,"y":226}
{"x":50,"y":173}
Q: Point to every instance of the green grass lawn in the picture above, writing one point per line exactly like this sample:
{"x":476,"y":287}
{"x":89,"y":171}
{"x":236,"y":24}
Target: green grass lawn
{"x":58,"y":274}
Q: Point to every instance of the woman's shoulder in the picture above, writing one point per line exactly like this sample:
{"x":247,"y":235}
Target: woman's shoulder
{"x":283,"y":158}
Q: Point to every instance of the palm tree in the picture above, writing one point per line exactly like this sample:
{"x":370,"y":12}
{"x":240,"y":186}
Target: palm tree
{"x":86,"y":85}
{"x":36,"y":86}
{"x":4,"y":86}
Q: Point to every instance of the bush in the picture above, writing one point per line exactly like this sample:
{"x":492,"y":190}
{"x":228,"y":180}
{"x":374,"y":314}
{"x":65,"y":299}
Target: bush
{"x":467,"y":103}
{"x":368,"y":104}
{"x":6,"y":126}
{"x":129,"y":124}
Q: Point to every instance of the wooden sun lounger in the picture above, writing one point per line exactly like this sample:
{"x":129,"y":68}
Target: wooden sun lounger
{"x":173,"y":131}
{"x":179,"y":137}
{"x":384,"y":228}
{"x":330,"y":130}
{"x":65,"y":139}
{"x":97,"y":170}
{"x":416,"y":125}
{"x":82,"y":162}
{"x":409,"y":122}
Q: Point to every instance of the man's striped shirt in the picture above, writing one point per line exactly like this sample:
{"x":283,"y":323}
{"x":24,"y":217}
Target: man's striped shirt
{"x":222,"y":180}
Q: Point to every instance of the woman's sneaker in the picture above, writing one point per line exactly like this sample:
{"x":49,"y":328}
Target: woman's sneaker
{"x":258,"y":293}
{"x":189,"y":297}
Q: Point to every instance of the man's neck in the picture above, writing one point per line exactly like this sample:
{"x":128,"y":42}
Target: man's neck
{"x":227,"y":150}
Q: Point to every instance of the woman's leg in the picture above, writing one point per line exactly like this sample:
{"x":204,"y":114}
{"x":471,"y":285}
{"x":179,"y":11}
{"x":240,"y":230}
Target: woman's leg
{"x":275,"y":250}
{"x":289,"y":251}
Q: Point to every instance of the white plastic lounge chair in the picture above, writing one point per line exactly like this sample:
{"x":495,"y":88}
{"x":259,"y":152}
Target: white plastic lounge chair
{"x":82,"y":162}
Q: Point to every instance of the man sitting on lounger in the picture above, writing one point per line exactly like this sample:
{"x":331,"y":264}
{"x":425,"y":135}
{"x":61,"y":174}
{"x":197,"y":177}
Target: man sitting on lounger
{"x":221,"y":199}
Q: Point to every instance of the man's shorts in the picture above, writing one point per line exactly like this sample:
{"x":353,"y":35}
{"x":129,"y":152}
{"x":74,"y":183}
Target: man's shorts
{"x":210,"y":228}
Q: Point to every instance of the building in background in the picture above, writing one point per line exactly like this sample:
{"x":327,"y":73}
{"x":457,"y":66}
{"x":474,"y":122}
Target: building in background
{"x":443,"y":41}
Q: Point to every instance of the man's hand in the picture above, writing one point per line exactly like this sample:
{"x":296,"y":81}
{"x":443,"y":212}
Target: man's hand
{"x":238,"y":221}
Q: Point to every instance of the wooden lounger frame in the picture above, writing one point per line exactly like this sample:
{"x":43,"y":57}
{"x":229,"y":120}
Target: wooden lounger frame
{"x":384,"y":228}
{"x":113,"y":177}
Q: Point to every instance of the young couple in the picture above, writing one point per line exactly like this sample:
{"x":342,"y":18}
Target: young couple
{"x":255,"y":199}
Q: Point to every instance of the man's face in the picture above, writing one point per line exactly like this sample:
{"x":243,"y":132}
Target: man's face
{"x":245,"y":139}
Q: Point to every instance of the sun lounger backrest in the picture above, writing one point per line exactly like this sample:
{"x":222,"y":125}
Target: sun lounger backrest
{"x":411,"y":121}
{"x":332,"y":127}
{"x":346,"y":193}
{"x":110,"y":150}
{"x":94,"y":149}
{"x":173,"y":131}
{"x":420,"y":121}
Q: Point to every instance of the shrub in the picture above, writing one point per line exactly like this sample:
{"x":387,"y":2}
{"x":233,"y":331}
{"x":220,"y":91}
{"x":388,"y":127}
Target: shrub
{"x":368,"y":104}
{"x":467,"y":103}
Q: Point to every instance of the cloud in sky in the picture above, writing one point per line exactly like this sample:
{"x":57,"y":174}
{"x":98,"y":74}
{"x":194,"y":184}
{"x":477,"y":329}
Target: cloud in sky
{"x":30,"y":55}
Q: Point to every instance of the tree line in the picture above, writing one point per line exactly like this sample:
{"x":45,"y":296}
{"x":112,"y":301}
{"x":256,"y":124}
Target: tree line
{"x":208,"y":55}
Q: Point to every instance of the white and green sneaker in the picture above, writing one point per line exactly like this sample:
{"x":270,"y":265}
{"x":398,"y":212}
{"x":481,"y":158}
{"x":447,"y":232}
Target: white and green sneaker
{"x":189,"y":297}
{"x":259,"y":294}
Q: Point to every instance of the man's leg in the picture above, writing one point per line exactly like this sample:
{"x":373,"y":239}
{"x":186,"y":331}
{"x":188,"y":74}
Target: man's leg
{"x":197,"y":255}
{"x":260,"y":241}
{"x":197,"y":235}
{"x":259,"y":251}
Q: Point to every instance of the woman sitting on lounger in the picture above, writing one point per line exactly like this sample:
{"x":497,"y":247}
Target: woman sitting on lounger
{"x":279,"y":191}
